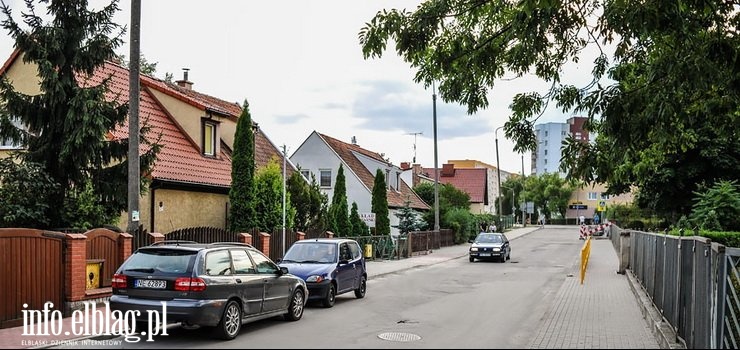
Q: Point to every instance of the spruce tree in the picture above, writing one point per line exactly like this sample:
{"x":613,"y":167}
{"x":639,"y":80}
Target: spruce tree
{"x":241,"y":194}
{"x":380,"y":205}
{"x":409,"y":220}
{"x":359,"y":227}
{"x":338,"y":212}
{"x":64,"y":127}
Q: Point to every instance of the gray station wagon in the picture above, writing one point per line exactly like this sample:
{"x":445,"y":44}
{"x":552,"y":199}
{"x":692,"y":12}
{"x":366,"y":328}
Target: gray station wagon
{"x":221,"y":285}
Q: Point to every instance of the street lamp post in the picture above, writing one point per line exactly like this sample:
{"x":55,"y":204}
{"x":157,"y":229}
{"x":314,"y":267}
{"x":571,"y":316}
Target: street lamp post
{"x":436,"y":168}
{"x":524,"y":177}
{"x":498,"y":173}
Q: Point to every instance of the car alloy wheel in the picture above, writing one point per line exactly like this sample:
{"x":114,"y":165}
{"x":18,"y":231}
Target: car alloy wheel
{"x":231,"y":321}
{"x":360,"y":291}
{"x":295,"y":309}
{"x":472,"y":259}
{"x":331,"y":295}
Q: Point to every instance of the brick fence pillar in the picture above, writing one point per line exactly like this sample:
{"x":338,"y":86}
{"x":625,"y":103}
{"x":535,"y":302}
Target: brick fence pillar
{"x":329,"y":234}
{"x":264,"y":245}
{"x":125,"y":245}
{"x":155,"y":237}
{"x":300,"y":235}
{"x":75,"y":266}
{"x":245,"y":238}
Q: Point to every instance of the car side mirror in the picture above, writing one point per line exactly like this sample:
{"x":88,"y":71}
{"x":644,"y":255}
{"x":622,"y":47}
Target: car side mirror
{"x":283,"y":270}
{"x":343,"y":262}
{"x":471,"y":240}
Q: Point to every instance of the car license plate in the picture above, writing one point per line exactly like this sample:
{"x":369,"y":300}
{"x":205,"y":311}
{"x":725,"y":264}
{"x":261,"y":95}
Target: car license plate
{"x":485,"y":254}
{"x":153,"y":284}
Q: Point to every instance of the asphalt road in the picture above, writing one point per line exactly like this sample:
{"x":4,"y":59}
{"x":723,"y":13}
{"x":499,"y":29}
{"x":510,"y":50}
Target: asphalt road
{"x":449,"y":305}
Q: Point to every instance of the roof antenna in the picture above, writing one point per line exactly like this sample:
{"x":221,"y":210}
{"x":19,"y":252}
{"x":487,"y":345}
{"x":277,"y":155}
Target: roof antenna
{"x":415,"y":134}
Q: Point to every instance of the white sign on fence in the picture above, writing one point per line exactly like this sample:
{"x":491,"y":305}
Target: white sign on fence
{"x":368,"y":218}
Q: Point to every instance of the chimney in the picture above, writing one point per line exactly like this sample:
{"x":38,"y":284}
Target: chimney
{"x":354,"y":140}
{"x":447,"y":170}
{"x":405,"y":166}
{"x":185,"y":83}
{"x":415,"y":171}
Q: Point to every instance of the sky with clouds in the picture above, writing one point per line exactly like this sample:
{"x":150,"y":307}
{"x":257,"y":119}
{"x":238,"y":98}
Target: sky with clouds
{"x":300,"y":66}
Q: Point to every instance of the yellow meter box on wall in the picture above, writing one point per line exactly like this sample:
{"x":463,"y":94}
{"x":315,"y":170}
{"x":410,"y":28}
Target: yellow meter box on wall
{"x":92,"y":272}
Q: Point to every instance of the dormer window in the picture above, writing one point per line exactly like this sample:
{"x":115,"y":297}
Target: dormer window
{"x":210,"y":138}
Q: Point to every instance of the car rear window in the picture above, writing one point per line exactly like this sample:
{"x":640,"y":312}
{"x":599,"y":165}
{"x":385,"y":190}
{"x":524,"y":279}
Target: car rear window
{"x":166,"y":261}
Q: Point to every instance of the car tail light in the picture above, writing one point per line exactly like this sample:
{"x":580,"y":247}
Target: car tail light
{"x":118,"y":281}
{"x":187,"y":284}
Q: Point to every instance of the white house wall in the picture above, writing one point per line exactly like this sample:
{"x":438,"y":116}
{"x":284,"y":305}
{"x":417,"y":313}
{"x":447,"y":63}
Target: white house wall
{"x":373,"y":165}
{"x":314,"y":154}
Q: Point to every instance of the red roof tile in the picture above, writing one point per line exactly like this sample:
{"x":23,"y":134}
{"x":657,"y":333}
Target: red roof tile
{"x":470,"y":180}
{"x":178,"y":160}
{"x":200,"y":100}
{"x":395,"y":199}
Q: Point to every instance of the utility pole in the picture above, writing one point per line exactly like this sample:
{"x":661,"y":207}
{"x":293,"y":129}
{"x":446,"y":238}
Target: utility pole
{"x":285,"y":151}
{"x":134,"y":169}
{"x":436,"y":168}
{"x":498,"y":171}
{"x":415,"y":133}
{"x":524,"y":177}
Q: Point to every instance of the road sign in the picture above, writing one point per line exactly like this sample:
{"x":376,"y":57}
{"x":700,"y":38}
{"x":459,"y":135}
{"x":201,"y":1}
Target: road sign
{"x":368,"y":218}
{"x":530,"y":207}
{"x":578,"y":206}
{"x":601,"y":206}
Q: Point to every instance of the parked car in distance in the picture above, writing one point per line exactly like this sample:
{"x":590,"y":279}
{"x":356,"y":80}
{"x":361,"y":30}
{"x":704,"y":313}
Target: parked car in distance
{"x":489,"y":245}
{"x":330,"y":267}
{"x":221,"y":285}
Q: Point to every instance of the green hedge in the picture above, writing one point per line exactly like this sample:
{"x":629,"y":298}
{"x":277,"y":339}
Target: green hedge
{"x":729,"y":239}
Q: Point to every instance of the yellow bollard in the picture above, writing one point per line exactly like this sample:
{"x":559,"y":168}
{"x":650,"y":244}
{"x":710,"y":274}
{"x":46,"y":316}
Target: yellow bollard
{"x":368,"y":250}
{"x":585,"y":253}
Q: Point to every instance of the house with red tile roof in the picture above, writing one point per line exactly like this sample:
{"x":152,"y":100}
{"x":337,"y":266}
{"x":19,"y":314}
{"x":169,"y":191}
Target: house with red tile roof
{"x":191,"y":177}
{"x":321,"y":155}
{"x":473,"y":181}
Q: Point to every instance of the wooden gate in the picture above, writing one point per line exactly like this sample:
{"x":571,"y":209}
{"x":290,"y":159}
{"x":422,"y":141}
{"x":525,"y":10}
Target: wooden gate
{"x":103,"y":244}
{"x":31,"y":271}
{"x":202,"y":235}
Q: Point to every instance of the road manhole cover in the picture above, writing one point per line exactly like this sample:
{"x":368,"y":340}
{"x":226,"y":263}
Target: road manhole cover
{"x":399,"y":336}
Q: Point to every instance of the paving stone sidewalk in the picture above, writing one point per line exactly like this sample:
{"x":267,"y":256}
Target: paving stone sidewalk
{"x":603,"y":313}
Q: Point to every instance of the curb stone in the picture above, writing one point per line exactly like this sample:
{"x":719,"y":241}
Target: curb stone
{"x":662,"y":330}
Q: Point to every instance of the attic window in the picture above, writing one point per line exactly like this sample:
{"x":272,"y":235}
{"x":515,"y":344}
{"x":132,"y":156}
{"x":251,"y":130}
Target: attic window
{"x":210,"y":135}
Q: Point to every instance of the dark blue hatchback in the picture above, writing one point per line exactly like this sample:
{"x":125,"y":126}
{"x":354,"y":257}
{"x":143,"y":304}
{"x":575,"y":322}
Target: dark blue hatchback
{"x":329,"y":266}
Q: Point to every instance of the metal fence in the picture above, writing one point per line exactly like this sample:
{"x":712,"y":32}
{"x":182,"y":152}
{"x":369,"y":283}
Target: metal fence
{"x":692,"y":282}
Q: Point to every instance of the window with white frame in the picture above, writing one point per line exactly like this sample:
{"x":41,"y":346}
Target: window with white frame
{"x":398,"y":181}
{"x":388,"y":178}
{"x":605,"y":196}
{"x":592,"y":196}
{"x":325,"y":177}
{"x":210,"y":136}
